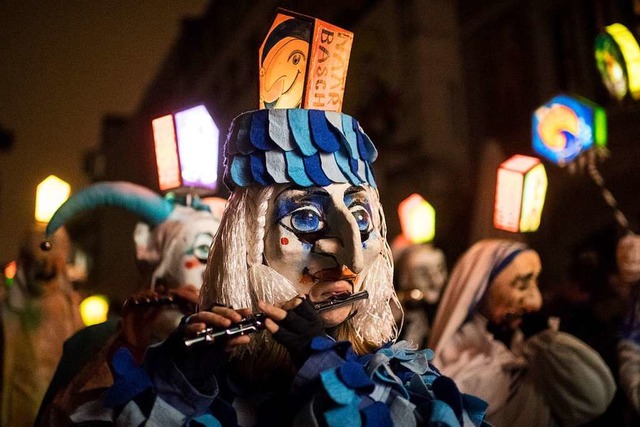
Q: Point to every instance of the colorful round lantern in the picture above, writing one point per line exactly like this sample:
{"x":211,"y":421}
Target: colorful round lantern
{"x":618,"y":59}
{"x":567,"y":126}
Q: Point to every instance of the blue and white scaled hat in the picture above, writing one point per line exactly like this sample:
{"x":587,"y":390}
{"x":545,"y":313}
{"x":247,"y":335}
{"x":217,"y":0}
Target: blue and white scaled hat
{"x":299,"y":146}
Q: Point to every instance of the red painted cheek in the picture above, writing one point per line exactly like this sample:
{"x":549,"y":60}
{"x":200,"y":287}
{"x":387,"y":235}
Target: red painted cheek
{"x":284,"y":241}
{"x":190,"y":263}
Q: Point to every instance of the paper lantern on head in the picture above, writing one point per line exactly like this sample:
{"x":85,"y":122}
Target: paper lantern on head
{"x":50,"y":194}
{"x":303,"y":63}
{"x":566,"y":127}
{"x":417,"y":219}
{"x":618,"y":59}
{"x":521,"y":188}
{"x":186,"y":146}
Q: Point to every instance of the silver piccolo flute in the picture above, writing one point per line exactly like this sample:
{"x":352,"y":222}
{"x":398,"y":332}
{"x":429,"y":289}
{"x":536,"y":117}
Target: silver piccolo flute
{"x":255,"y":322}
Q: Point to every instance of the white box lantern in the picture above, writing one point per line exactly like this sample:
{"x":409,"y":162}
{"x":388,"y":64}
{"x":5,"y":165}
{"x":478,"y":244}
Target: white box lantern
{"x":521,"y":187}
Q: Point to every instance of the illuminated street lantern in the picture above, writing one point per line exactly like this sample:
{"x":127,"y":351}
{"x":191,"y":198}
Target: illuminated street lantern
{"x":567,"y":126}
{"x":618,"y":59}
{"x":186,"y":145}
{"x":94,"y":309}
{"x":520,"y":191}
{"x":417,"y":219}
{"x":50,"y":194}
{"x":10,"y":271}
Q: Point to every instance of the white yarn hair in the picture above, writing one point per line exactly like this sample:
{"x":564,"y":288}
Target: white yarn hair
{"x":237,"y":276}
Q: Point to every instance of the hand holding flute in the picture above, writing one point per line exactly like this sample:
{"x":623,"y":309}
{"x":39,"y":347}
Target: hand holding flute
{"x":256,"y":322}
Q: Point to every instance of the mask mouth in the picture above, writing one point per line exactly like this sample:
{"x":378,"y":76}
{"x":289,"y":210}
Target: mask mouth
{"x":334,"y":275}
{"x":512,"y":319}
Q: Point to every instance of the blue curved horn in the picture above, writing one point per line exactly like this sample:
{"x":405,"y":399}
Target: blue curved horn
{"x":152,"y":207}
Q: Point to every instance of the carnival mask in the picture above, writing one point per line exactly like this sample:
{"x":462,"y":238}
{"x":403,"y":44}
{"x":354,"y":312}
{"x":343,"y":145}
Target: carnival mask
{"x":514,"y":291}
{"x":423,"y":268}
{"x":323,"y":239}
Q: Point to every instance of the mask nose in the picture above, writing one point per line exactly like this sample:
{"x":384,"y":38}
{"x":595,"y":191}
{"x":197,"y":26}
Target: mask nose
{"x":343,"y":243}
{"x":533,"y":300}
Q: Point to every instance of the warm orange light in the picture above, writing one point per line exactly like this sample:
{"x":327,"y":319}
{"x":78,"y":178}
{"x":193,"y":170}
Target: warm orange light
{"x":521,"y":188}
{"x":164,"y":136}
{"x":10,"y":272}
{"x":50,"y":194}
{"x":417,"y":219}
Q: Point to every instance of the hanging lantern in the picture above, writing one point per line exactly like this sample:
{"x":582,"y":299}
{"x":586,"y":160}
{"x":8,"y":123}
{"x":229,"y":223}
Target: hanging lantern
{"x":618,"y":59}
{"x":50,"y":194}
{"x":520,"y":191}
{"x":186,"y":145}
{"x":567,"y":126}
{"x":94,"y":309}
{"x":10,"y":271}
{"x":417,"y":219}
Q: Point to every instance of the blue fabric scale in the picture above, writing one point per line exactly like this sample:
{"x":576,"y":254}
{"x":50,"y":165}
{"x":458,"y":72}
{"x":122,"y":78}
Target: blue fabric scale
{"x":318,"y":148}
{"x":129,"y":379}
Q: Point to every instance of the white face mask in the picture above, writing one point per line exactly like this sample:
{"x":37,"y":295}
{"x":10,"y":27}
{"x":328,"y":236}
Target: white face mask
{"x":323,"y":240}
{"x":424,"y":269}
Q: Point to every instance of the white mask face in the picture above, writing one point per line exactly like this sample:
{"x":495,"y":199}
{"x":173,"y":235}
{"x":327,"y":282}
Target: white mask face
{"x":424,"y":269}
{"x":182,"y":245}
{"x":323,"y":240}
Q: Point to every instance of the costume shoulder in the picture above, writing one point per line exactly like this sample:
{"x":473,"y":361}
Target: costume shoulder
{"x":77,"y":352}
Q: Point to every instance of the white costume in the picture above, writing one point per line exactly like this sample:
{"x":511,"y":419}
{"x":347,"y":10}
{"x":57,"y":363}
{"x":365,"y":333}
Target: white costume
{"x":550,"y":378}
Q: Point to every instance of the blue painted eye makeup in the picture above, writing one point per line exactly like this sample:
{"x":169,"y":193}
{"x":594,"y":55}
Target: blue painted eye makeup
{"x":306,"y":219}
{"x":356,"y":198}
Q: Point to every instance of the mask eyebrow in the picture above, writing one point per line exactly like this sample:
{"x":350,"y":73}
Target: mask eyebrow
{"x":354,"y":189}
{"x":301,"y":191}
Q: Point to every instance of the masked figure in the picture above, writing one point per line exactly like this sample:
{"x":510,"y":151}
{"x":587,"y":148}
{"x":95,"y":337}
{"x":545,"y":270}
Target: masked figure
{"x":628,"y":262}
{"x":550,"y":378}
{"x":299,"y":230}
{"x":421,"y":273}
{"x":172,"y":244}
{"x":287,"y":334}
{"x":39,"y":312}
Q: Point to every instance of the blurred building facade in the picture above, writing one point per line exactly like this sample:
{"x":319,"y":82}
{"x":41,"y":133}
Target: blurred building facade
{"x":437,"y":84}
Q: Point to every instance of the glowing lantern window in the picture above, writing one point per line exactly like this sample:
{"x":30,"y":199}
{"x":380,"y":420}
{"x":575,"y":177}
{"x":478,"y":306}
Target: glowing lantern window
{"x":618,"y":58}
{"x":567,"y":126}
{"x":10,"y":272}
{"x":417,"y":219}
{"x":94,"y":309}
{"x":520,"y":192}
{"x":186,"y":145}
{"x":50,"y":194}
